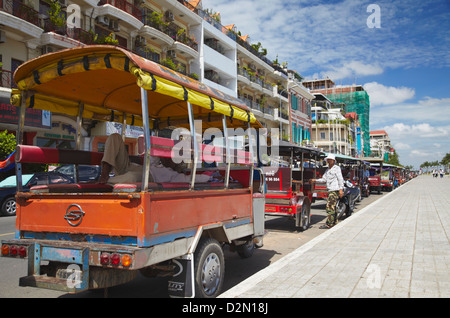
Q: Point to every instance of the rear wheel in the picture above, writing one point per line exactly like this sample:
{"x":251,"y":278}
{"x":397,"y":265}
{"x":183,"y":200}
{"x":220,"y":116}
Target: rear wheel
{"x":305,"y":217}
{"x":209,"y":268}
{"x":341,"y":209}
{"x":246,"y":250}
{"x":9,"y":207}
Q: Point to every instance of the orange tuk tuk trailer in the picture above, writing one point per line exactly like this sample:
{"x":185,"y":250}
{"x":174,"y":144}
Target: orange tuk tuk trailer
{"x":289,"y":192}
{"x":83,"y":236}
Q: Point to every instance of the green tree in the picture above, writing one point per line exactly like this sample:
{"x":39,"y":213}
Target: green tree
{"x":446,"y":160}
{"x":394,"y":159}
{"x":7,"y":144}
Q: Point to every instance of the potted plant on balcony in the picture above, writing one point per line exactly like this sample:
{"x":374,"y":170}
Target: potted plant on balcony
{"x":156,"y":20}
{"x":56,"y":21}
{"x":194,"y":76}
{"x":109,"y":39}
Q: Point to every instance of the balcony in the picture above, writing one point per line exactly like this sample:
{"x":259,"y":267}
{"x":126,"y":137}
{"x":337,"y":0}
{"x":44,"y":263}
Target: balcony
{"x":243,"y":76}
{"x":20,"y":10}
{"x":167,"y":34}
{"x":65,"y":37}
{"x":13,"y":13}
{"x":250,"y":78}
{"x":6,"y":79}
{"x":121,"y":10}
{"x":185,"y":45}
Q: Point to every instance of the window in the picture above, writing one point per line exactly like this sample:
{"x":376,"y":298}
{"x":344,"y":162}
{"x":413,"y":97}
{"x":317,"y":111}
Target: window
{"x":294,"y":132}
{"x":294,"y":102}
{"x":322,"y":135}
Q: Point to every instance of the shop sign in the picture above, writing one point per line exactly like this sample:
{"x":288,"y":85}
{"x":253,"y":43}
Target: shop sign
{"x":33,"y":117}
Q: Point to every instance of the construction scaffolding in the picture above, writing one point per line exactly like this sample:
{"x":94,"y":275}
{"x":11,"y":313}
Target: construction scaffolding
{"x":356,"y":101}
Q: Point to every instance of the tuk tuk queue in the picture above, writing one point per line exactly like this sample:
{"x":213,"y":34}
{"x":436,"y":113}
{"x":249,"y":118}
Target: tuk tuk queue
{"x":296,"y":181}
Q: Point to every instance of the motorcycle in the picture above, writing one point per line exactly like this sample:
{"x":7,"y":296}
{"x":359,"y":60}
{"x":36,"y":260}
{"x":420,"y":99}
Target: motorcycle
{"x":346,"y":204}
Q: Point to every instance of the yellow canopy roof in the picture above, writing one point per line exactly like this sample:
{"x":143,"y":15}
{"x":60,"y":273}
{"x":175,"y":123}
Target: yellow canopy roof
{"x":107,"y":80}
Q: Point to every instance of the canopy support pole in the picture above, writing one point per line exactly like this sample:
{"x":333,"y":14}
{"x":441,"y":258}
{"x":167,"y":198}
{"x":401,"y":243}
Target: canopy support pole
{"x":250,"y":148}
{"x":227,"y":145}
{"x":19,"y":137}
{"x":78,"y":141}
{"x":124,"y":125}
{"x":146,"y":126}
{"x":194,"y":140}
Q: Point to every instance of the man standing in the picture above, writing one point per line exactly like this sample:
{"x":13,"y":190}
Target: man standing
{"x":335,"y":187}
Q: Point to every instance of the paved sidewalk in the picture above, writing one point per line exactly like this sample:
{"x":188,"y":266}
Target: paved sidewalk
{"x":396,"y":247}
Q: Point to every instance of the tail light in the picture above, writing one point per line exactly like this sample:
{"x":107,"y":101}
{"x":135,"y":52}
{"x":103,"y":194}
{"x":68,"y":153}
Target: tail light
{"x":22,"y":251}
{"x":104,"y":259}
{"x":13,"y":250}
{"x":5,"y":250}
{"x":115,"y":259}
{"x":126,"y":260}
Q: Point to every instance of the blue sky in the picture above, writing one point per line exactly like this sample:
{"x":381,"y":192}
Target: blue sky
{"x":404,"y":65}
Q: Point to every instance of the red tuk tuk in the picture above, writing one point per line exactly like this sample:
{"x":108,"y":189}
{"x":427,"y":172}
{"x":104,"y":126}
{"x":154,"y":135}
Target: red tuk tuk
{"x":288,"y":190}
{"x":374,"y":178}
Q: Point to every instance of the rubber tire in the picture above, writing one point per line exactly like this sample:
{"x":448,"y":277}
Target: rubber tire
{"x":341,"y":209}
{"x":9,"y":207}
{"x":246,"y":250}
{"x":305,"y":210}
{"x":208,"y":259}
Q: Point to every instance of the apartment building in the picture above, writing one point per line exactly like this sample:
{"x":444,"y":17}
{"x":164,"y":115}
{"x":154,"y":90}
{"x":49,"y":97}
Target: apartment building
{"x":355,"y":99}
{"x":178,"y":34}
{"x":333,"y":130}
{"x":380,"y":144}
{"x":300,"y":101}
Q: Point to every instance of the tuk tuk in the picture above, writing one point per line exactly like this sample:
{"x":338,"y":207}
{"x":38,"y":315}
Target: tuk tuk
{"x":365,"y":173}
{"x":374,"y":178}
{"x":289,"y":192}
{"x":88,"y":235}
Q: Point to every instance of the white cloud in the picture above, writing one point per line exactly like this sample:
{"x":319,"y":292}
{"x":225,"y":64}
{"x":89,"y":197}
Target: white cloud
{"x":351,"y":70}
{"x":401,"y":146}
{"x":387,"y":95}
{"x":423,"y":130}
{"x":435,"y":111}
{"x":333,"y":37}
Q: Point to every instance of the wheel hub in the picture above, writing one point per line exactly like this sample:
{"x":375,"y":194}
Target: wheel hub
{"x":211,"y":273}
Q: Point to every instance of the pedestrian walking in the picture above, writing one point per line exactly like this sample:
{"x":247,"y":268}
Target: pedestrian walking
{"x":441,"y":172}
{"x":335,"y":187}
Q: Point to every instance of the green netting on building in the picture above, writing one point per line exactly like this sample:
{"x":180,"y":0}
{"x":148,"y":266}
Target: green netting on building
{"x":357,"y":102}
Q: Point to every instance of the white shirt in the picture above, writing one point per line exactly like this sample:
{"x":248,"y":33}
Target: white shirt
{"x":333,"y":178}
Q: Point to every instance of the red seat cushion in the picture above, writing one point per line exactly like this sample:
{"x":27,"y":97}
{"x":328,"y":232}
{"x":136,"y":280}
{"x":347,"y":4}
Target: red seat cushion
{"x":72,"y":188}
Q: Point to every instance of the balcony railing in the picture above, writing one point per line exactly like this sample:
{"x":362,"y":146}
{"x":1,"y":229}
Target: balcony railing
{"x":20,"y":10}
{"x":148,"y":54}
{"x":176,"y":33}
{"x":284,"y":116}
{"x":124,"y":5}
{"x":73,"y":33}
{"x":6,"y":79}
{"x":244,"y":73}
